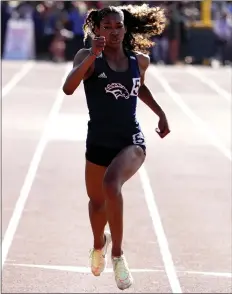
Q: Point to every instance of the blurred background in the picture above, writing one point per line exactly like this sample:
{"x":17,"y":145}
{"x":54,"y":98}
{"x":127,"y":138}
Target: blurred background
{"x":45,"y":225}
{"x":198,"y":32}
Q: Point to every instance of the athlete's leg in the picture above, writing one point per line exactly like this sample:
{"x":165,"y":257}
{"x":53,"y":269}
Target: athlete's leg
{"x":94,"y":175}
{"x":122,"y":168}
{"x":97,"y":213}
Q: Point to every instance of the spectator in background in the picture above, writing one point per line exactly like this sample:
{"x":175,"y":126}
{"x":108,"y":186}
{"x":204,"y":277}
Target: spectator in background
{"x":26,"y":9}
{"x":183,"y":34}
{"x":173,"y":33}
{"x":159,"y":52}
{"x":223,"y":31}
{"x":30,"y":10}
{"x":50,"y":14}
{"x":57,"y":47}
{"x":94,"y":4}
{"x":75,"y":19}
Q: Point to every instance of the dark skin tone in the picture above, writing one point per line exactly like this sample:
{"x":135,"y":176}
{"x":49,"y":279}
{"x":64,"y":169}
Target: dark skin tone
{"x":104,"y":184}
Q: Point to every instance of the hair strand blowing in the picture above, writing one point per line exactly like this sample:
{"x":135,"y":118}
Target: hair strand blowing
{"x":141,"y":21}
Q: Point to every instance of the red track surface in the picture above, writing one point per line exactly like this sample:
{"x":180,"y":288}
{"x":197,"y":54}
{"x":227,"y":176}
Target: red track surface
{"x":185,"y":183}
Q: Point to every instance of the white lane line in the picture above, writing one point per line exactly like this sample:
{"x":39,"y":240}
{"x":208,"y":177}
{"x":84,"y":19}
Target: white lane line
{"x":17,"y":77}
{"x":159,"y":230}
{"x":83,"y":269}
{"x":202,"y":126}
{"x":25,"y":190}
{"x":210,"y":83}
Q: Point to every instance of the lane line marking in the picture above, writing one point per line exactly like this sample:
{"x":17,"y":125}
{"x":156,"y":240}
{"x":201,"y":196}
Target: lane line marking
{"x":82,"y":269}
{"x":210,"y":83}
{"x":159,"y":231}
{"x":17,"y":77}
{"x":194,"y":118}
{"x":29,"y":179}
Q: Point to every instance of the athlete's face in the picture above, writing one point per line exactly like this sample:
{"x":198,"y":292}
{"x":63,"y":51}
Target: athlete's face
{"x":113,"y":29}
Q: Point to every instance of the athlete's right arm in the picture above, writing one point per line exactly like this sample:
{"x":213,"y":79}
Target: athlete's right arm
{"x":83,"y":66}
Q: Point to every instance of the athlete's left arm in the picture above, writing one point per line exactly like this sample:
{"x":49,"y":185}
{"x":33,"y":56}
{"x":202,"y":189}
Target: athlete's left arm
{"x":144,"y":93}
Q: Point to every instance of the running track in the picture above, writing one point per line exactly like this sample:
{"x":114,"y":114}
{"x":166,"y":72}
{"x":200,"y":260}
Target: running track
{"x":177,"y":207}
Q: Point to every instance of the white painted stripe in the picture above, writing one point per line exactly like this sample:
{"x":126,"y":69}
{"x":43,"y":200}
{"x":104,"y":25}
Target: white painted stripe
{"x":213,"y":274}
{"x":159,"y":230}
{"x":195,"y":119}
{"x":25,"y":190}
{"x":214,"y":86}
{"x":17,"y":77}
{"x":82,"y":269}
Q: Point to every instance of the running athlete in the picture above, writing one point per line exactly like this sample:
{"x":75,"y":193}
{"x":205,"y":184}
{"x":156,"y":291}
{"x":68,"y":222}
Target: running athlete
{"x":113,"y":72}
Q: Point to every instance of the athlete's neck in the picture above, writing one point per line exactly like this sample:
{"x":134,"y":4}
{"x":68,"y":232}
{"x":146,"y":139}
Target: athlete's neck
{"x":114,"y":53}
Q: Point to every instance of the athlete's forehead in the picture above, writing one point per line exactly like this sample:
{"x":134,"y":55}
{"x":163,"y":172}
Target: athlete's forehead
{"x":114,"y":17}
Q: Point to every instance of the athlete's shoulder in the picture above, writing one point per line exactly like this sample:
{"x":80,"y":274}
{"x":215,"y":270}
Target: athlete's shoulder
{"x":143,"y":60}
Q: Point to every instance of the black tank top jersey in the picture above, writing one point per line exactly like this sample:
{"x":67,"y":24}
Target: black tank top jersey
{"x":112,"y":101}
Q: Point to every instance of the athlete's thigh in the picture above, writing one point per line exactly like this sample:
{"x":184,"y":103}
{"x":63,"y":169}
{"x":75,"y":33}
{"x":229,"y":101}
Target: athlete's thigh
{"x":125,"y":164}
{"x":94,"y":175}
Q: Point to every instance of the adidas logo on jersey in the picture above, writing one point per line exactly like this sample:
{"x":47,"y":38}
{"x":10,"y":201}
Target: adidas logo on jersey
{"x":103,"y":76}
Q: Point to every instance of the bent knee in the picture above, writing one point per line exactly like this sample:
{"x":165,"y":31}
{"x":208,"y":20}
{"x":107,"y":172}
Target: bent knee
{"x":111,"y":187}
{"x":97,"y":205}
{"x":137,"y":155}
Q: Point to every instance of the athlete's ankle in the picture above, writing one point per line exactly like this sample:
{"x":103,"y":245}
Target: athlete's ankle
{"x":117,"y":252}
{"x":100,"y":243}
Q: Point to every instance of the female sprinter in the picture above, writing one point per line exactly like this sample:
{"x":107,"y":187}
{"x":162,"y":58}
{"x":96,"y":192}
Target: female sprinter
{"x":113,"y":74}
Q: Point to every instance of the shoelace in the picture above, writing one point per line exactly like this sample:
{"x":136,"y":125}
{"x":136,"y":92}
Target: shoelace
{"x":121,"y":268}
{"x":95,"y":255}
{"x":92,"y":251}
